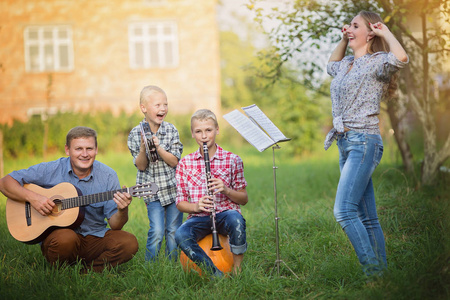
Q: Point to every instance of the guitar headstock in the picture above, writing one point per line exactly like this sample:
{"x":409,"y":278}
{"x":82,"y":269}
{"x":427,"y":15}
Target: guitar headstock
{"x":143,"y":190}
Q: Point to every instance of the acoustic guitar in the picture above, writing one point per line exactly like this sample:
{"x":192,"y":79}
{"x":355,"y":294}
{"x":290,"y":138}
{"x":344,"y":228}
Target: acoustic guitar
{"x":28,"y":226}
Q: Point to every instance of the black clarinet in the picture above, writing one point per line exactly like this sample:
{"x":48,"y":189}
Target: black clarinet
{"x":150,"y":147}
{"x":215,"y":242}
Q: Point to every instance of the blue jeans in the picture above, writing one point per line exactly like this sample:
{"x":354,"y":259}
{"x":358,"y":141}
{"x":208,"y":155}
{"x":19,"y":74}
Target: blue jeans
{"x":229,"y":223}
{"x":355,"y":209}
{"x":164,"y":221}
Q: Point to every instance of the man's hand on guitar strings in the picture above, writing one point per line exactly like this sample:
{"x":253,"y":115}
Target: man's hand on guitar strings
{"x":44,"y":205}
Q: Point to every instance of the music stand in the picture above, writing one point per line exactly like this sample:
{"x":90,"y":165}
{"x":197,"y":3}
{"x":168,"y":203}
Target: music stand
{"x":278,"y":261}
{"x":260,"y":131}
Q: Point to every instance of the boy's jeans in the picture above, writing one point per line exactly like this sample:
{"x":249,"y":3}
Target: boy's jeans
{"x":354,"y":208}
{"x":229,"y":222}
{"x":164,"y":221}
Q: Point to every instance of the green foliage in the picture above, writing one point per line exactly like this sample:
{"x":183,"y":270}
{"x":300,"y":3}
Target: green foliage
{"x":24,"y":139}
{"x":312,"y":244}
{"x":18,"y":139}
{"x":301,"y":114}
{"x":297,"y":112}
{"x":238,"y":86}
{"x":306,"y":32}
{"x":183,"y":125}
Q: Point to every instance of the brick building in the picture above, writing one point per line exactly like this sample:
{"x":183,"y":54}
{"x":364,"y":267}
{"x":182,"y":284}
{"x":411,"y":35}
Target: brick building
{"x":89,"y":55}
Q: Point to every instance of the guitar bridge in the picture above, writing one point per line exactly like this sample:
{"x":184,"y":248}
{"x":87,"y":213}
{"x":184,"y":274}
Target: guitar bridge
{"x":28,"y":213}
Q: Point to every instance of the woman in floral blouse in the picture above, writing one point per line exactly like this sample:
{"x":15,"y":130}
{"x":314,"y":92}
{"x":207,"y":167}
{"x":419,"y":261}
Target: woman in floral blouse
{"x":360,"y":82}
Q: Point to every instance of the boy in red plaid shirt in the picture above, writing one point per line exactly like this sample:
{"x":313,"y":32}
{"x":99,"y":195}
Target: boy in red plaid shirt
{"x":229,"y":189}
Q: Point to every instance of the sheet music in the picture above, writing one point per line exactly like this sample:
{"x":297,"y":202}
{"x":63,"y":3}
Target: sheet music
{"x":257,"y":115}
{"x":249,"y":130}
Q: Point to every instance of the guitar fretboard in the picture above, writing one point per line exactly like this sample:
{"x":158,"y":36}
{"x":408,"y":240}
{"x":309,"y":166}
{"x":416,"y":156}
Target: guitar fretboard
{"x":89,"y":199}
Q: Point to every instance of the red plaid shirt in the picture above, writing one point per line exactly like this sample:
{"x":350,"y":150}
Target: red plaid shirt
{"x":191,"y":178}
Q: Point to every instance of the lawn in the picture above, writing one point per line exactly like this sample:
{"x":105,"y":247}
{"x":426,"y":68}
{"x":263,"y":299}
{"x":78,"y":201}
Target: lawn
{"x":415,"y":222}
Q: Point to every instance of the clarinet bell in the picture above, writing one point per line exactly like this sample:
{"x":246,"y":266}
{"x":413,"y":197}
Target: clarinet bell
{"x":216,"y":243}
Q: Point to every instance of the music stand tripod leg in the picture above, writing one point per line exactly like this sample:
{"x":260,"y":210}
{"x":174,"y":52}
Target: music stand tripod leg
{"x":277,"y":240}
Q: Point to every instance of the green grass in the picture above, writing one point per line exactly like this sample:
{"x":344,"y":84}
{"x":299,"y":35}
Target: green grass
{"x":416,"y":225}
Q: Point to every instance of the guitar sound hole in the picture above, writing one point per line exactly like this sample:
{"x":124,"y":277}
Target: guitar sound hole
{"x":57,"y":209}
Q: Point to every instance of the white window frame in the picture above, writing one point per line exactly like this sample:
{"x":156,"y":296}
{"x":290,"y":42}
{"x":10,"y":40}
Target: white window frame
{"x":160,"y":38}
{"x":54,"y":42}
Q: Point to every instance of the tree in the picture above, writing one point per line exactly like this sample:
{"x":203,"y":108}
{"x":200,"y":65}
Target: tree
{"x":306,"y":25}
{"x":297,"y":111}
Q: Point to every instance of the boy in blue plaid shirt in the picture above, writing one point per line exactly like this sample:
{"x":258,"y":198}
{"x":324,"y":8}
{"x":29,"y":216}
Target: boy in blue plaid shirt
{"x":163,"y":215}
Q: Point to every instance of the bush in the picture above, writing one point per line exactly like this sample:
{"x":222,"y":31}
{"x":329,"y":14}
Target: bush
{"x":24,"y":139}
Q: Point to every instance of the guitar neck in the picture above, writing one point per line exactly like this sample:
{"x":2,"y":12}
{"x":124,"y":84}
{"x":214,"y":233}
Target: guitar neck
{"x":88,"y":199}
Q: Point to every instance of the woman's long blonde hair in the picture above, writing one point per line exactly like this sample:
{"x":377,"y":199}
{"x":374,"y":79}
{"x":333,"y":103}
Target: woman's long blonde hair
{"x":377,"y":44}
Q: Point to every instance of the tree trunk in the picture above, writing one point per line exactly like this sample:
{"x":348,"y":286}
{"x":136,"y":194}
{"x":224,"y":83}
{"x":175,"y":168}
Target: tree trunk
{"x":400,"y":137}
{"x":424,"y":105}
{"x":433,"y":159}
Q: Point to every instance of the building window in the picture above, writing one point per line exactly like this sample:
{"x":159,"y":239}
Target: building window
{"x":48,"y":49}
{"x":153,"y":45}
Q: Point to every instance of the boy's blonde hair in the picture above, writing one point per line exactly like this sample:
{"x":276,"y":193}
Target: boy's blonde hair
{"x":203,"y":115}
{"x":148,"y":90}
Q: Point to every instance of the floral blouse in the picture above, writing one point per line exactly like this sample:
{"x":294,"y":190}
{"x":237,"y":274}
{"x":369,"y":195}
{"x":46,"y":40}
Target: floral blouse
{"x":356,"y":94}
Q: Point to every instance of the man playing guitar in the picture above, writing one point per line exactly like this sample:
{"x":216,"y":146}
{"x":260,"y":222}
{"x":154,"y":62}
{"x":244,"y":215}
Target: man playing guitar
{"x":91,"y":241}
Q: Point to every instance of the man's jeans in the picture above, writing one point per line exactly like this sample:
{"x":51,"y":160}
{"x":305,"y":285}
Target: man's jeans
{"x":164,"y":221}
{"x":229,"y":223}
{"x":354,"y":208}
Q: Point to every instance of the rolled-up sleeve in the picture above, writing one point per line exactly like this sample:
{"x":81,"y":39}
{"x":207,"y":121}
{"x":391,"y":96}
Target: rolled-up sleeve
{"x":390,"y":64}
{"x":238,"y":180}
{"x":333,"y":67}
{"x":176,"y":147}
{"x":134,"y":143}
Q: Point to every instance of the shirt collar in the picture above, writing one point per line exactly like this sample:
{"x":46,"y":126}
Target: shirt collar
{"x":162,"y":128}
{"x":362,"y":59}
{"x":72,"y":173}
{"x":220,"y":154}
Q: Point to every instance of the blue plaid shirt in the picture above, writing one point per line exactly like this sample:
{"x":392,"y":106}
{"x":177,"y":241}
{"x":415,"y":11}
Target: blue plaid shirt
{"x":101,"y":179}
{"x":160,"y":172}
